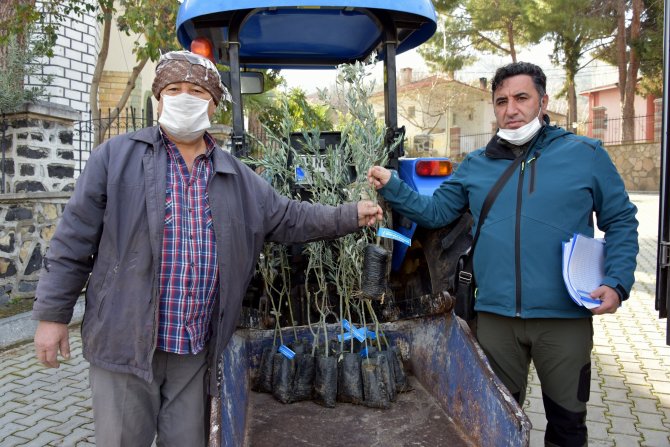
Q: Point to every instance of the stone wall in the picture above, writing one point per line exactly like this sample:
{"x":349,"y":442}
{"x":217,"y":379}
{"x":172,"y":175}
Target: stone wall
{"x":39,"y":176}
{"x":38,"y":149}
{"x":639,"y":165}
{"x":27,"y":222}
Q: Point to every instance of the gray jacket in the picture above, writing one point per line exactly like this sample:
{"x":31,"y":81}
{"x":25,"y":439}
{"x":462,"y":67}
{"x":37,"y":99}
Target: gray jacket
{"x":112,"y":229}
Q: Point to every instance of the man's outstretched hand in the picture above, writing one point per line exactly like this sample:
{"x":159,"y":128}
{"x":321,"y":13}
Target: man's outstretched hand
{"x":378,"y":176}
{"x":368,"y":213}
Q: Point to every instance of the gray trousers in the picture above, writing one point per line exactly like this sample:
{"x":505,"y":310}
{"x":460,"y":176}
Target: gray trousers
{"x":131,"y":412}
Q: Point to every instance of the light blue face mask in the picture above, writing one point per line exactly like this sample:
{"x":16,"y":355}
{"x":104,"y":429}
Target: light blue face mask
{"x":523,"y":134}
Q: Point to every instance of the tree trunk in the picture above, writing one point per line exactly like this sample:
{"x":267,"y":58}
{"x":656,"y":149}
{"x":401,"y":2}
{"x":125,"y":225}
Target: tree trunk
{"x":99,"y":128}
{"x":572,"y":103}
{"x":571,"y":52}
{"x":628,"y":108}
{"x":510,"y":39}
{"x":7,"y":11}
{"x":621,"y":48}
{"x":8,"y":18}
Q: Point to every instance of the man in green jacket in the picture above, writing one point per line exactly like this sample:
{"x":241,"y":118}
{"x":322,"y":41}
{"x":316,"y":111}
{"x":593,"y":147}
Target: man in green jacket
{"x":523,"y":309}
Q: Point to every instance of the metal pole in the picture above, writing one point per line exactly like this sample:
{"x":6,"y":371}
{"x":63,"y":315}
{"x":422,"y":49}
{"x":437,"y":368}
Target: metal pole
{"x":391,"y":91}
{"x":239,"y":147}
{"x":663,"y":247}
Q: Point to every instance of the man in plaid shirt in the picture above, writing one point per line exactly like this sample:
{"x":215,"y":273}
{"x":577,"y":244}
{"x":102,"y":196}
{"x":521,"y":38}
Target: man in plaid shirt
{"x":165,"y":228}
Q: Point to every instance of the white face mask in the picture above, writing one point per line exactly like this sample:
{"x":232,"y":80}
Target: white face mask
{"x":185,"y":117}
{"x":523,"y":134}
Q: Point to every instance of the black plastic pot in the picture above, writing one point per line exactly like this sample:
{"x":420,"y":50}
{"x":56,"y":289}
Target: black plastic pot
{"x":283,"y":372}
{"x":349,"y":379}
{"x":325,"y":381}
{"x":374,"y":388}
{"x":264,"y":381}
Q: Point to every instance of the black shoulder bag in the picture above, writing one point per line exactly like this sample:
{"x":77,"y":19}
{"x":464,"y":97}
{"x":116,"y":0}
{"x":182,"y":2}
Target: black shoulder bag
{"x":465,"y":279}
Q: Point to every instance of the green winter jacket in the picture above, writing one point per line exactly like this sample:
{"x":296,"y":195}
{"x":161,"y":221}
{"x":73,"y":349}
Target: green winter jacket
{"x":552,"y":195}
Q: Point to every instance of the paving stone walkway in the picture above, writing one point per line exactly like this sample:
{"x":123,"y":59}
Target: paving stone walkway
{"x":45,"y":407}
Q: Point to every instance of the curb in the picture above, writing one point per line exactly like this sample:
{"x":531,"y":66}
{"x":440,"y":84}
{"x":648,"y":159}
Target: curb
{"x":21,"y":328}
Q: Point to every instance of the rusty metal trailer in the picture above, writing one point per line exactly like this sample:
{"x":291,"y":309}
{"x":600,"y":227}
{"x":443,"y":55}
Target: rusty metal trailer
{"x":456,"y":400}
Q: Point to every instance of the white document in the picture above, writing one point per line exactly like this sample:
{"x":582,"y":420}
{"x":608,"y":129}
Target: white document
{"x":567,"y":247}
{"x":583,"y":268}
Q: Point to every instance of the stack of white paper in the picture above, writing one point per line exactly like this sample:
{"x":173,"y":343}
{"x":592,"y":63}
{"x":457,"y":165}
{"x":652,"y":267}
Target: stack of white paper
{"x":583,"y":268}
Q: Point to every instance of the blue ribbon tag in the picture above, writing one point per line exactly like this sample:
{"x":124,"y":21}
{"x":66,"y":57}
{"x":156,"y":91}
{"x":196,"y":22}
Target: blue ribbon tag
{"x":371,"y":334}
{"x":364,"y":352}
{"x":300,"y":175}
{"x":390,"y":234}
{"x":359,"y":334}
{"x":347,"y":336}
{"x":286,"y":352}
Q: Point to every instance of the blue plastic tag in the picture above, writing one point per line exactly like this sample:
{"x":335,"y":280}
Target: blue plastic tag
{"x":286,"y":352}
{"x":390,"y":234}
{"x":300,"y":174}
{"x":364,"y":352}
{"x":347,"y":336}
{"x":359,"y":334}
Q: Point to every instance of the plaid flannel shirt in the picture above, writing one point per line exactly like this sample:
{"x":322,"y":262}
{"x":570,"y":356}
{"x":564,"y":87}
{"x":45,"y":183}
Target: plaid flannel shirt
{"x":189,"y":273}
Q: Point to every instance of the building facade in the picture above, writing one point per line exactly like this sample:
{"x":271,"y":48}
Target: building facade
{"x":605,"y":120}
{"x":71,"y":70}
{"x":444,"y":117}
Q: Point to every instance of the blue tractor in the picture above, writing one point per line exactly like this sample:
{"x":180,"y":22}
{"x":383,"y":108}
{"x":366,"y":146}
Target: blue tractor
{"x":280,"y":34}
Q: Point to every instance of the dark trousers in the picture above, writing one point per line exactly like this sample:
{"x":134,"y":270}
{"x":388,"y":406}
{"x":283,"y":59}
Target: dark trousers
{"x":561,"y":352}
{"x":129,"y":411}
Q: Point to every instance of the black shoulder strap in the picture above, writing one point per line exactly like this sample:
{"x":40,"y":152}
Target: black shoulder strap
{"x":465,"y":281}
{"x":493,"y":194}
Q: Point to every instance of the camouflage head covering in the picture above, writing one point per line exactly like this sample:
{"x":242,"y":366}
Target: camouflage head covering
{"x":184,"y":66}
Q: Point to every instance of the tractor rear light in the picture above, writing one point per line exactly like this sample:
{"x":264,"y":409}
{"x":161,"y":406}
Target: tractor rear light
{"x":434,"y":168}
{"x":203,"y":46}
